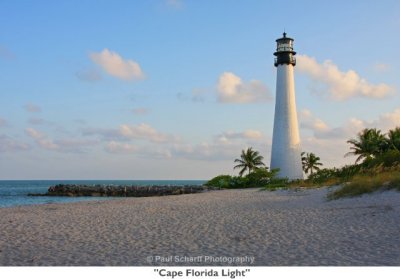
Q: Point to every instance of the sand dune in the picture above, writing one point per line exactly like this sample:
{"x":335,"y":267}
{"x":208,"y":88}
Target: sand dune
{"x":276,"y":228}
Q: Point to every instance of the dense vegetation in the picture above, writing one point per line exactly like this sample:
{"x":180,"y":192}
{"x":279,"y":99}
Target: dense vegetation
{"x":377,"y":166}
{"x":258,"y":175}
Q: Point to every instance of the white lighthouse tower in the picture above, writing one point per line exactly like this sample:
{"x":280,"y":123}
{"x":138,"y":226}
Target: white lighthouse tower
{"x":286,"y":154}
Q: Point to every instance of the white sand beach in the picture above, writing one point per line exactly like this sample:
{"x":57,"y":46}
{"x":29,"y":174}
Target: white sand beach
{"x":276,"y":228}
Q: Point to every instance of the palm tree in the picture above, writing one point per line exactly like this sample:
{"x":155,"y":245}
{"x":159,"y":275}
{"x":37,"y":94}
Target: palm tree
{"x":310,"y":162}
{"x":368,"y":144}
{"x":393,"y":139}
{"x":249,"y":160}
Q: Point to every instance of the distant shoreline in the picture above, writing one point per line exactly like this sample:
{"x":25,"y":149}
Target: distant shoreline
{"x":15,"y":192}
{"x":85,"y":190}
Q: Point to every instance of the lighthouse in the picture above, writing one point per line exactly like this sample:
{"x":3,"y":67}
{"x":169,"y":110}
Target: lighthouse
{"x":286,"y":153}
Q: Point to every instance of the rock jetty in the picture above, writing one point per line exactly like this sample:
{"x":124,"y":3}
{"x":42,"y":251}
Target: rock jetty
{"x":73,"y":190}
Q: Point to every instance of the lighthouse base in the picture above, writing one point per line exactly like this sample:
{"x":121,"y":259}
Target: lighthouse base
{"x":288,"y":161}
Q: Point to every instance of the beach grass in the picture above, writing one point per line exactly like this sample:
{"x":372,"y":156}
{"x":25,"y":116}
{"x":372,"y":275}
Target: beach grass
{"x":364,"y":184}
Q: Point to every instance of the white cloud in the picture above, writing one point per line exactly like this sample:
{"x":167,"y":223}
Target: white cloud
{"x":326,"y":142}
{"x":32,"y":108}
{"x":104,"y":133}
{"x":34,"y":133}
{"x":339,"y":85}
{"x":62,"y":145}
{"x":252,"y":134}
{"x":331,"y":151}
{"x":322,"y":131}
{"x":345,"y":132}
{"x":225,"y":146}
{"x":8,"y":144}
{"x":116,"y":66}
{"x":41,"y":139}
{"x":385,"y":121}
{"x":248,"y":134}
{"x":126,"y":132}
{"x":218,"y":150}
{"x":309,"y":121}
{"x":145,"y":132}
{"x":231,"y":89}
{"x":213,"y":151}
{"x":141,"y":151}
{"x":331,"y":143}
{"x":118,"y":147}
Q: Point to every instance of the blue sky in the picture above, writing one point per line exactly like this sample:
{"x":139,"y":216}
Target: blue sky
{"x":175,"y":89}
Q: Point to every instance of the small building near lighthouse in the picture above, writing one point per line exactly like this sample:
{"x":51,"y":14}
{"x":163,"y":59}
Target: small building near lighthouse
{"x":286,"y":151}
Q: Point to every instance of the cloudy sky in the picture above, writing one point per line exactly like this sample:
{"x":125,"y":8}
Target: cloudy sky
{"x":175,"y":89}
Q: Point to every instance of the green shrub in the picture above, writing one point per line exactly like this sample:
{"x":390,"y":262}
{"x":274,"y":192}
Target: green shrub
{"x":238,"y":182}
{"x":259,"y":178}
{"x":275,"y":183}
{"x":220,"y":181}
{"x":227,"y":182}
{"x":322,"y":176}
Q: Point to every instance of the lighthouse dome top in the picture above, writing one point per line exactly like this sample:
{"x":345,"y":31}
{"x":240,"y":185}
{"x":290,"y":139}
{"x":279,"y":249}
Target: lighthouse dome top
{"x":284,"y":38}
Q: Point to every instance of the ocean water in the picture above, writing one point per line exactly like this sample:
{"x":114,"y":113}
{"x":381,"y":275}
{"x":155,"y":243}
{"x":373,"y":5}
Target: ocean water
{"x":15,"y":192}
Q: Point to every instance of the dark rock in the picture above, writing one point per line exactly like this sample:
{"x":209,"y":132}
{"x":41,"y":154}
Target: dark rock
{"x":72,"y":190}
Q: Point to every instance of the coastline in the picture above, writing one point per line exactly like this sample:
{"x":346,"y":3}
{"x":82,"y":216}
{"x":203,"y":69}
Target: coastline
{"x":280,"y":228}
{"x":30,"y":192}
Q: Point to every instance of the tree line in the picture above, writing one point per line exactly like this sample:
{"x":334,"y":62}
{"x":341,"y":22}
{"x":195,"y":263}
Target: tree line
{"x":373,"y":149}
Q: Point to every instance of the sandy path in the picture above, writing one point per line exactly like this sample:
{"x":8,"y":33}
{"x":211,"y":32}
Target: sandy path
{"x":276,"y":228}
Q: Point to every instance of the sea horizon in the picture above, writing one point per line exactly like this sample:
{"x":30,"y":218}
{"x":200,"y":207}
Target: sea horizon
{"x":15,"y":192}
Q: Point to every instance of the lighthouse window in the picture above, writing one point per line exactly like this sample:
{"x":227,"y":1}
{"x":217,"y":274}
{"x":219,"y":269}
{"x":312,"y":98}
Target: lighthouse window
{"x":284,"y":47}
